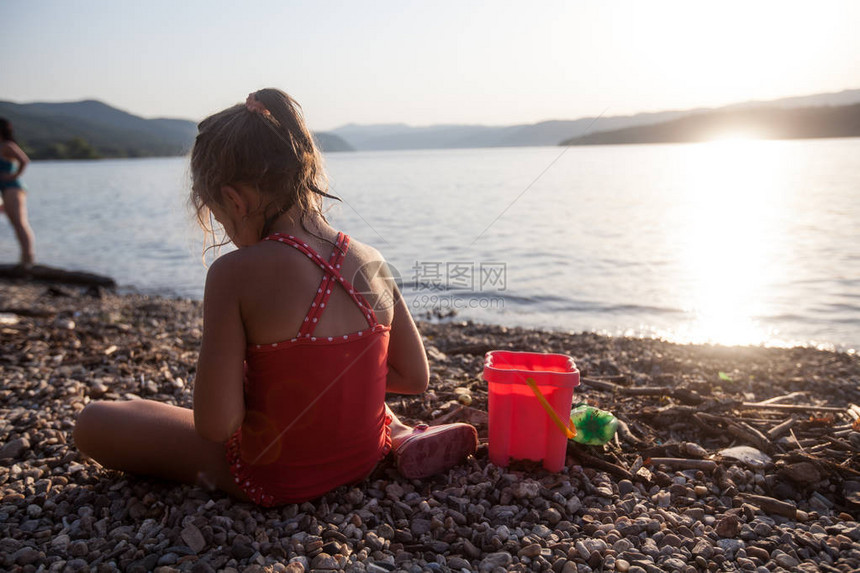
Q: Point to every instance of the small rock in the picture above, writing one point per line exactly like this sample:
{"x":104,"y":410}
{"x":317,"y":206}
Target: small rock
{"x":98,"y":389}
{"x":324,"y":561}
{"x":193,"y":538}
{"x":373,"y":541}
{"x":493,"y":560}
{"x":784,"y":559}
{"x":168,"y":559}
{"x":79,"y":549}
{"x":728,"y":526}
{"x":801,"y":473}
{"x":703,"y":549}
{"x":673,"y":564}
{"x":77,"y":564}
{"x":420,"y":526}
{"x":748,"y":455}
{"x":14,"y":449}
{"x":730,"y":546}
{"x":470,"y":550}
{"x":25,"y":556}
{"x":526,"y":489}
{"x":241,"y":549}
{"x":625,"y":486}
{"x":662,"y":499}
{"x":551,"y":515}
{"x":385,"y":531}
{"x":530,"y":551}
{"x":457,"y":563}
{"x":758,"y":553}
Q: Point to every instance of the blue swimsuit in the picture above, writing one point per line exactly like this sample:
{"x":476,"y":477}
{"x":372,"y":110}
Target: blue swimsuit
{"x":7,"y":166}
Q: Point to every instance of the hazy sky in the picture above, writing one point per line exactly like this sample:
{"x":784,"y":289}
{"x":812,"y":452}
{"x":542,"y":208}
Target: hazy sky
{"x":440,"y":61}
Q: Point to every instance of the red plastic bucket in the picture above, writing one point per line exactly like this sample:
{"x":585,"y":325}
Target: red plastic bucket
{"x":519,"y":427}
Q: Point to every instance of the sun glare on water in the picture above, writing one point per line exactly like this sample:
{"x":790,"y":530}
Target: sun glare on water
{"x":733,"y":137}
{"x":728,"y":239}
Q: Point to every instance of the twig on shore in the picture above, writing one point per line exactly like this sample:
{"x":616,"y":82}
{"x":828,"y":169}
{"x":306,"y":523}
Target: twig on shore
{"x":796,"y":441}
{"x":646,"y":391}
{"x":600,"y":385}
{"x":789,"y":407}
{"x":624,"y":433}
{"x":600,"y":464}
{"x":780,"y":429}
{"x":782,"y":398}
{"x":771,"y":505}
{"x":685,"y":463}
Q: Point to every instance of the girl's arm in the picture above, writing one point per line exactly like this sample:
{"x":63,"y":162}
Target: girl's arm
{"x":408,"y":370}
{"x":219,"y":403}
{"x":20,"y":156}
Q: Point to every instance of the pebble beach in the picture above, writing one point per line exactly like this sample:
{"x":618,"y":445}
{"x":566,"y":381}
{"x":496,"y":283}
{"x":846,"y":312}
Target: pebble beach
{"x":726,"y":459}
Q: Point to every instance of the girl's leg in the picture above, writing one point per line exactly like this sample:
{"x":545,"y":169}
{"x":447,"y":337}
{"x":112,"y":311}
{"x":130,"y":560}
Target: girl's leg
{"x":15,"y":203}
{"x":151,"y":438}
{"x":424,"y":451}
{"x":399,"y":430}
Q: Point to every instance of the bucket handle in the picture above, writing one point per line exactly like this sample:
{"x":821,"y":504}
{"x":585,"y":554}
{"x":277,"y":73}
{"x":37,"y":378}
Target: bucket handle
{"x":570,"y":429}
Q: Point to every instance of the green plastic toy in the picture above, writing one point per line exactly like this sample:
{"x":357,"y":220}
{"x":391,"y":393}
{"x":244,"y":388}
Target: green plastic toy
{"x":587,"y":425}
{"x":594,"y":427}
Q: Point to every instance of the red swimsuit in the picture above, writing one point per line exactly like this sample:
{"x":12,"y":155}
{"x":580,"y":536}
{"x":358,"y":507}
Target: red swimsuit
{"x":314,"y":406}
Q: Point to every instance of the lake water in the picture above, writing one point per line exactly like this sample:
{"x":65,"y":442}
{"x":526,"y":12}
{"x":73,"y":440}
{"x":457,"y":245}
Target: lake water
{"x":745,"y":242}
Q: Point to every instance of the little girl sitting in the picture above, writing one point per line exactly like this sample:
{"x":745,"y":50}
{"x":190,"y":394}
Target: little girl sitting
{"x":289,"y":395}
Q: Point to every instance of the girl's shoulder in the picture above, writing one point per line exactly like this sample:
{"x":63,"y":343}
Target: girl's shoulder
{"x":364,"y":252}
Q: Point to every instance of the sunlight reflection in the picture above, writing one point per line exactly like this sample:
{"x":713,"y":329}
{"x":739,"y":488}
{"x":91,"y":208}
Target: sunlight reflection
{"x":729,"y":245}
{"x":735,"y":136}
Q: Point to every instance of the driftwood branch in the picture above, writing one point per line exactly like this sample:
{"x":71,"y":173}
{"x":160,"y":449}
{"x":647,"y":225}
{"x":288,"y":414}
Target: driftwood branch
{"x":478,"y":349}
{"x":55,"y":275}
{"x":739,"y":430}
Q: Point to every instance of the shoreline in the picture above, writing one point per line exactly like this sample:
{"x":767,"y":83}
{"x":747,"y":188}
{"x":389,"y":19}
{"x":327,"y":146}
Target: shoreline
{"x":610,"y":508}
{"x":443,"y":318}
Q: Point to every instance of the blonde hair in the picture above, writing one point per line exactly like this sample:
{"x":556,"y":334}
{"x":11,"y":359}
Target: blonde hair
{"x":269,"y":148}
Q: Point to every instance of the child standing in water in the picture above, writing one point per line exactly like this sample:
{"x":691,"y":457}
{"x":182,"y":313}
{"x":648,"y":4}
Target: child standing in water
{"x":289,"y":395}
{"x":13,"y":161}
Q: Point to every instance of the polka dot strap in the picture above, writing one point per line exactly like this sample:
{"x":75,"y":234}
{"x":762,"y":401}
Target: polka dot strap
{"x":331,"y":275}
{"x":324,"y":291}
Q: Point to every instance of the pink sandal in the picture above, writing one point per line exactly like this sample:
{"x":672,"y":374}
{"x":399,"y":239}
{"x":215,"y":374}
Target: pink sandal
{"x":430,"y":451}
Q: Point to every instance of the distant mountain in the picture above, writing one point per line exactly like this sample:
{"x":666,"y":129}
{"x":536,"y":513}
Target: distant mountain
{"x":845,"y":97}
{"x":760,"y":122}
{"x":46,"y":129}
{"x":402,"y":136}
{"x":329,"y":142}
{"x":91,"y":129}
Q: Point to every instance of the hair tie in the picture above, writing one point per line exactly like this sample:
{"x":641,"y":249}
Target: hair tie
{"x":256,"y":106}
